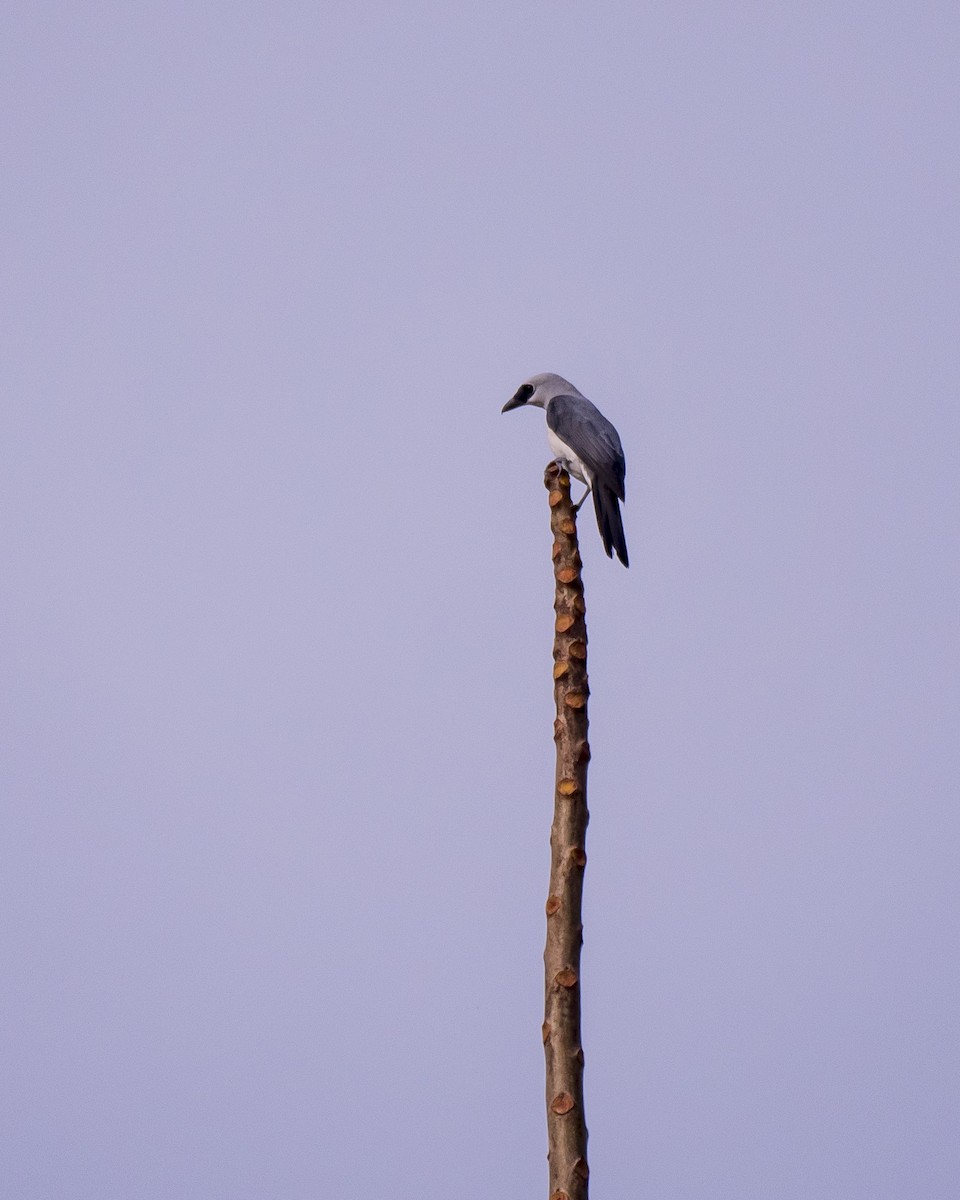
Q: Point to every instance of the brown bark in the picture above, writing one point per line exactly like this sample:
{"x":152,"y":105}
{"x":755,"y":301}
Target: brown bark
{"x":566,"y":1126}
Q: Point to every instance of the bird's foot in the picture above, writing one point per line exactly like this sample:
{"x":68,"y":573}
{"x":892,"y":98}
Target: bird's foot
{"x":561,"y":468}
{"x":579,"y":504}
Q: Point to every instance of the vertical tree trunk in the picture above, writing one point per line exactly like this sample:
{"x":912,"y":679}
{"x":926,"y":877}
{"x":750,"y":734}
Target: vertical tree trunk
{"x":566,"y":1126}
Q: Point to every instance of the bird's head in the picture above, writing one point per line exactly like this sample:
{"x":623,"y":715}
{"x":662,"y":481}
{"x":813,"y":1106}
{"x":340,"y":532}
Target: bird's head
{"x":538,"y":389}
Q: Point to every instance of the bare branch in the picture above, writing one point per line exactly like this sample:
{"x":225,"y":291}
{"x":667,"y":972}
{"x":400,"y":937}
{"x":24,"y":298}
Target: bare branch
{"x":566,"y":1125}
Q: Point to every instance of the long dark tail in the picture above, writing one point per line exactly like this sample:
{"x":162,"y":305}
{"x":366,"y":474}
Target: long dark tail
{"x":610,"y":522}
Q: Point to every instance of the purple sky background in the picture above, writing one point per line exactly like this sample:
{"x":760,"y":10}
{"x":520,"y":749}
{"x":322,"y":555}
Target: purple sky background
{"x":276,"y":759}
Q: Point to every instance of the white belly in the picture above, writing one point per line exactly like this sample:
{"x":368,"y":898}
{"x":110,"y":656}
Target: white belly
{"x":562,"y":451}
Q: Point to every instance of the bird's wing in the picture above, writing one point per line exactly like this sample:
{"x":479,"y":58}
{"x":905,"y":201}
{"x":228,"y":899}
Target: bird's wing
{"x":580,"y":425}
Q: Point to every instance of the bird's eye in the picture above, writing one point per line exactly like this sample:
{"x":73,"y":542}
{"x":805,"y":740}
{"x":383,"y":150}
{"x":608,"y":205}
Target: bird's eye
{"x":524,"y":393}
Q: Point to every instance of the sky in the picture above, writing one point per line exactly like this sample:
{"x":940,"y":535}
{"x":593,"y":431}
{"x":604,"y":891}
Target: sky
{"x":276,"y":742}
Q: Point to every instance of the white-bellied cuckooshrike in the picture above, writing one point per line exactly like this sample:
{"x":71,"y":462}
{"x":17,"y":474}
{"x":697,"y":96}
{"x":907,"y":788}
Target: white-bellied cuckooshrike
{"x":587,"y":445}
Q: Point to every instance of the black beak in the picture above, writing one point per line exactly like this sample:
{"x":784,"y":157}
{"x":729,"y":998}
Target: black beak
{"x":524,"y":392}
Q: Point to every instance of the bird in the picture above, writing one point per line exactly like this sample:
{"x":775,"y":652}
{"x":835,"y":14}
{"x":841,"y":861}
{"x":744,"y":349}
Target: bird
{"x":587,"y":445}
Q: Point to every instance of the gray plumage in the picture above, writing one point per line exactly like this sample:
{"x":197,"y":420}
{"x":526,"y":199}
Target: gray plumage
{"x":585,"y":442}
